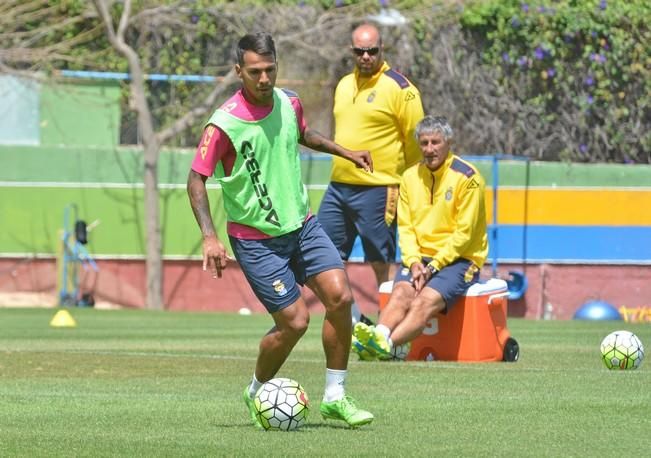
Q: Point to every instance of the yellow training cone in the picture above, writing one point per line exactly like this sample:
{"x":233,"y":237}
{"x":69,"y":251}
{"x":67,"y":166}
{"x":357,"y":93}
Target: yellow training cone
{"x":63,"y":319}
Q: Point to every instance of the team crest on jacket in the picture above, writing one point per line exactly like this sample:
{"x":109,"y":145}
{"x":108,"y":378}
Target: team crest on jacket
{"x":448,"y":194}
{"x":279,"y":287}
{"x":371,"y":97}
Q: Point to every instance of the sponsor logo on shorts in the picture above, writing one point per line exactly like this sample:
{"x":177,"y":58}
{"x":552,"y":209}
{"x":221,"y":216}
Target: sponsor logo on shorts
{"x":279,"y":287}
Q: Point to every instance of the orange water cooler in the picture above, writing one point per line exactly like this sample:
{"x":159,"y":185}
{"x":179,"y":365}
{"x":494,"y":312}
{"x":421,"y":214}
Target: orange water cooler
{"x":474,"y":330}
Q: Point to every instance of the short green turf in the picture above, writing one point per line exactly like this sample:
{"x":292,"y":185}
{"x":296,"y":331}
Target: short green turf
{"x":138,"y":383}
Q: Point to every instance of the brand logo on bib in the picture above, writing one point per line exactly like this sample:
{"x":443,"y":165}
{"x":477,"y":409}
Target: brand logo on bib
{"x":255,"y":174}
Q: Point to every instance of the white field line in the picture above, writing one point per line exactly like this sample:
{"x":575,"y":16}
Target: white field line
{"x":435,"y":365}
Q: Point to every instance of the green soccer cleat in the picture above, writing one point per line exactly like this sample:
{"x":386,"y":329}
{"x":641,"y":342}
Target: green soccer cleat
{"x":373,"y":341}
{"x":346,"y":410}
{"x":362,"y":352}
{"x":250,"y":404}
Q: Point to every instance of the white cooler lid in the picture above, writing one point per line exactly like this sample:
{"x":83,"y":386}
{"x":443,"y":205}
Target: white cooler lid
{"x":490,"y":286}
{"x":386,"y":287}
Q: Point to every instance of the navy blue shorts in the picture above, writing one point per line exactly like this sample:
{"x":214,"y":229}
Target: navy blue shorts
{"x":451,"y":282}
{"x":275,"y":267}
{"x":350,"y":210}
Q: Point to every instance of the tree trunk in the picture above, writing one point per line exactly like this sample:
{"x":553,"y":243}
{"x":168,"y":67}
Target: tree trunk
{"x":154,"y":259}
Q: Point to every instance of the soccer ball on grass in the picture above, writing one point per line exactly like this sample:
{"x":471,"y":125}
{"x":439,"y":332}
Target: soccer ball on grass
{"x":622,"y":350}
{"x":281,"y":404}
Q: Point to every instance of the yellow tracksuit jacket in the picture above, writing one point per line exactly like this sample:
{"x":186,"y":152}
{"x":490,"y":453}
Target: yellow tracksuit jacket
{"x":442,"y":214}
{"x":378,"y":114}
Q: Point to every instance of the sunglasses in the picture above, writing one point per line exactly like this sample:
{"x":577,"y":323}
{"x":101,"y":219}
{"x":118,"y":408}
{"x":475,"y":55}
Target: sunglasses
{"x":371,"y":51}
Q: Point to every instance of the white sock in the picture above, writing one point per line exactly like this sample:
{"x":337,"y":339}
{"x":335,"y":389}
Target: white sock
{"x":386,"y":332}
{"x":382,"y":329}
{"x":254,"y":386}
{"x":356,"y":313}
{"x":334,"y":385}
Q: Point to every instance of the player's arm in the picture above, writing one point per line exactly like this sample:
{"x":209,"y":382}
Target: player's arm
{"x":214,"y":252}
{"x":314,"y":140}
{"x":406,"y":231}
{"x":200,"y":204}
{"x":407,"y":237}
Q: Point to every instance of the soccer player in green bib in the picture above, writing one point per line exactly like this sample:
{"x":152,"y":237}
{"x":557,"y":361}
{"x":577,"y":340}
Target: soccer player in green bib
{"x":250,"y":144}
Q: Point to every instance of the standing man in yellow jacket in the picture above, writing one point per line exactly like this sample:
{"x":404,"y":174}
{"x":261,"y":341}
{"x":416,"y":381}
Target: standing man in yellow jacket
{"x":442,"y":230}
{"x":375,"y":109}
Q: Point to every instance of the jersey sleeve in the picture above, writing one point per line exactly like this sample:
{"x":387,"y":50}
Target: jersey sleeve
{"x":409,"y":248}
{"x":410,"y":112}
{"x":298,"y":109}
{"x":213,"y":147}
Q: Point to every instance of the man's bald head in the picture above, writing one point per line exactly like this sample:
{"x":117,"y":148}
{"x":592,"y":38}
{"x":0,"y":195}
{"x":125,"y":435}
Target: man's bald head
{"x":366,"y":33}
{"x":366,"y":45}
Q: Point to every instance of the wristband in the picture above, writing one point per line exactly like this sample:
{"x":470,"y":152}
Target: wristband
{"x":431,"y":269}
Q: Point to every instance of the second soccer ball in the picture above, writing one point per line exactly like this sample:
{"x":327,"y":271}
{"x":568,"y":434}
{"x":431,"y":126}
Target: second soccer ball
{"x":622,"y":350}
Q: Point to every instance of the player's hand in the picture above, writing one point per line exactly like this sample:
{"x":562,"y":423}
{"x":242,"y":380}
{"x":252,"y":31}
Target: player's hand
{"x":419,"y":276}
{"x":214,"y":256}
{"x":362,"y":160}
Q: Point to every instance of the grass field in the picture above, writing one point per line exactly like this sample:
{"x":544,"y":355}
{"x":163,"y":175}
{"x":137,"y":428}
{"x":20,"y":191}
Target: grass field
{"x":138,"y":383}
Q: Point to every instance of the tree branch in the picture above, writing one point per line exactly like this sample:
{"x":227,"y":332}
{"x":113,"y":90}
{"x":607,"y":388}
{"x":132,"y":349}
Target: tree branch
{"x":191,"y":116}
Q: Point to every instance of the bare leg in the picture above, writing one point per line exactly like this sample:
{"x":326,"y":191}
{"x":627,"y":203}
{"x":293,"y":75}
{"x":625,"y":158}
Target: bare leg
{"x":396,"y":309}
{"x":333,"y":289}
{"x":290,"y":325}
{"x":424,"y":306}
{"x":383,"y":272}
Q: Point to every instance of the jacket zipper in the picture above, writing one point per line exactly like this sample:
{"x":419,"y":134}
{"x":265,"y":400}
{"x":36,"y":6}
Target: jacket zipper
{"x":431,"y":195}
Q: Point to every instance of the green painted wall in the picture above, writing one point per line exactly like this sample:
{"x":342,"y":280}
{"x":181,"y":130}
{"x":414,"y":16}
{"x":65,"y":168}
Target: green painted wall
{"x":124,"y":165}
{"x":80,"y":114}
{"x":557,"y":174}
{"x":36,"y":185}
{"x":87,"y":165}
{"x":33,"y":218}
{"x":110,"y":165}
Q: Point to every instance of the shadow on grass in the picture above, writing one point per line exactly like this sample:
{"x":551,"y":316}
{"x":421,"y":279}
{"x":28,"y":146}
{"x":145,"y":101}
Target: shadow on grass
{"x":303,"y":429}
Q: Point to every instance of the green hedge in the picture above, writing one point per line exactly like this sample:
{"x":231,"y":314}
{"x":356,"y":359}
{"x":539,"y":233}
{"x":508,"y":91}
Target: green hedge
{"x":584,"y":62}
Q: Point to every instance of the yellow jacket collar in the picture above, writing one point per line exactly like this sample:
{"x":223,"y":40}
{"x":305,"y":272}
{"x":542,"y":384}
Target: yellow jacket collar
{"x":438,"y":173}
{"x":373,"y":78}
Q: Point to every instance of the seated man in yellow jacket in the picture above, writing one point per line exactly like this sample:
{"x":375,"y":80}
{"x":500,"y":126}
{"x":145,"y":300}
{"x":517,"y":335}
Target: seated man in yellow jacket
{"x":442,"y":236}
